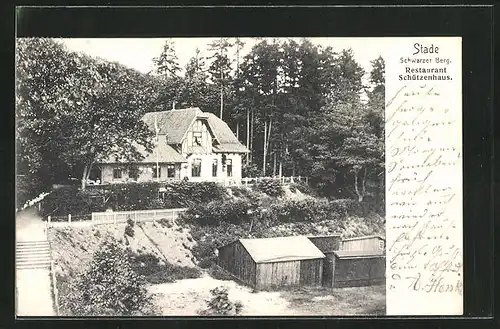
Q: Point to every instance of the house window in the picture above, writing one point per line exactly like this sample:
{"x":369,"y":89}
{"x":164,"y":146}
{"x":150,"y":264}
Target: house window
{"x":196,"y":138}
{"x":214,"y":168}
{"x":133,"y":172}
{"x":117,"y":173}
{"x":229,"y":166}
{"x":196,"y":168}
{"x":170,"y":171}
{"x":156,"y":174}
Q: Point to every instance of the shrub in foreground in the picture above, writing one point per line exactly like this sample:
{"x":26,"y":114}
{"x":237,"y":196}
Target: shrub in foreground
{"x":108,"y":287}
{"x":271,"y":187}
{"x":220,"y":304}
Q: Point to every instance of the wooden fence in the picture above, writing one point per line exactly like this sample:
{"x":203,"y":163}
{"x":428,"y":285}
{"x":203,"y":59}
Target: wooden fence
{"x":247,"y":181}
{"x":115,"y":217}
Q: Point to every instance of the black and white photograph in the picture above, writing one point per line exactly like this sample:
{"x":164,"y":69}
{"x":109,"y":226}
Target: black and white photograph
{"x":197,"y":176}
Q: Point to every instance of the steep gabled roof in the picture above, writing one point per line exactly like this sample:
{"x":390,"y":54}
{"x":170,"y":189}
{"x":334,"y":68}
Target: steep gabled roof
{"x":173,"y":123}
{"x":281,"y":249}
{"x":166,"y":154}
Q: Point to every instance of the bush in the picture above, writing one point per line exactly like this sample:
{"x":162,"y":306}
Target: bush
{"x":148,"y":265}
{"x":67,"y":200}
{"x":271,"y":187}
{"x":306,"y":210}
{"x":133,"y":196}
{"x":108,"y":287}
{"x":217,"y":212}
{"x":302,"y":187}
{"x":129,"y":229}
{"x":185,"y":194}
{"x":220,"y":305}
{"x":250,"y":171}
{"x":217,"y":273}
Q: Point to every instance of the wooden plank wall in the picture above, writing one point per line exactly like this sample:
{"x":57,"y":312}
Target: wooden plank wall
{"x":362,"y":244}
{"x":311,"y":272}
{"x":272,"y":275}
{"x":235,"y":259}
{"x":358,"y":272}
{"x":328,"y":268}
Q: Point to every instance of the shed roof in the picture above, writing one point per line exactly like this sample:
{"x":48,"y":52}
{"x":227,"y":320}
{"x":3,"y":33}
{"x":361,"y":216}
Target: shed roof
{"x":364,"y":237}
{"x":349,"y":254}
{"x":281,"y":249}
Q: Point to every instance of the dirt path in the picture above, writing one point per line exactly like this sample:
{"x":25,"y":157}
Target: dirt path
{"x":30,"y":226}
{"x":34,"y":294}
{"x":186,"y":297}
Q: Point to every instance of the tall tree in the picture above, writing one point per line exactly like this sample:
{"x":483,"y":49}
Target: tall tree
{"x":167,"y":63}
{"x":72,"y":110}
{"x":220,"y":68}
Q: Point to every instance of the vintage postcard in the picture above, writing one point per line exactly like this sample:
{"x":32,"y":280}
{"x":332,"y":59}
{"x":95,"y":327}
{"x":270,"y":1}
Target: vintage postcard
{"x":238,"y":176}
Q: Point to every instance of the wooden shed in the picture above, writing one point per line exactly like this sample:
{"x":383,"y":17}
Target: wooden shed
{"x":273,"y":262}
{"x":354,"y":268}
{"x":371,"y":242}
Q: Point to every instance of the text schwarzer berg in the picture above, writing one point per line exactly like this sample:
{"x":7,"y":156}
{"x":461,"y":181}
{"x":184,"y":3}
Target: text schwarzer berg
{"x":424,"y":73}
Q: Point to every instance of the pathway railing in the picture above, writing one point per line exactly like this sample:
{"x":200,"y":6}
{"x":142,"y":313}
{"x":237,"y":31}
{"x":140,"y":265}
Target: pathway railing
{"x":114,"y":217}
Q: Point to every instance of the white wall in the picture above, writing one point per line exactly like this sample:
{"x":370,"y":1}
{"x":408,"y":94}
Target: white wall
{"x":145,"y":173}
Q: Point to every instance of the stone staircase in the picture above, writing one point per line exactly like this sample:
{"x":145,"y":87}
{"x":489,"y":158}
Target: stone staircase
{"x":33,"y":255}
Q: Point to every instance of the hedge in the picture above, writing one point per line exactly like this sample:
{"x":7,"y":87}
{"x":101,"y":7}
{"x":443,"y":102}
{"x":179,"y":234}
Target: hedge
{"x":127,"y":197}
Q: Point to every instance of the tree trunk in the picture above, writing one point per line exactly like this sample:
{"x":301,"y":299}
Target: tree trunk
{"x":84,"y":177}
{"x":356,"y":186}
{"x":363,"y":182}
{"x":252,"y":124}
{"x":265,"y":150}
{"x":274,"y":165}
{"x":221,"y":98}
{"x":248,"y":135}
{"x":237,"y":131}
{"x":281,"y":165}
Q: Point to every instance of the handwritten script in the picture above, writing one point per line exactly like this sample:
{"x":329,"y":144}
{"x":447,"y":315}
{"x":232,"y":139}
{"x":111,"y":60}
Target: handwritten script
{"x":423,"y":191}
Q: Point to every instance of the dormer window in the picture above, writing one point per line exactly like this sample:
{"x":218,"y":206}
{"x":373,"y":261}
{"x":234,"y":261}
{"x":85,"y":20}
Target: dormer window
{"x":197,"y":138}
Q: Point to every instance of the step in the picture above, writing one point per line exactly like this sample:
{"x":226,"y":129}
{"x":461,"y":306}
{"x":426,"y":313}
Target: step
{"x":40,"y":246}
{"x":18,"y":248}
{"x":32,"y":266}
{"x":32,"y":243}
{"x":28,"y":249}
{"x":32,"y":258}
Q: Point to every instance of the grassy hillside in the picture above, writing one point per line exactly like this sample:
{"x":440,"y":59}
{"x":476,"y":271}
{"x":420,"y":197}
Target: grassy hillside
{"x":168,"y":250}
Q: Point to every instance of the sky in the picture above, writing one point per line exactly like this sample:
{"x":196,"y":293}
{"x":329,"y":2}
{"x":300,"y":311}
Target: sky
{"x":139,"y":53}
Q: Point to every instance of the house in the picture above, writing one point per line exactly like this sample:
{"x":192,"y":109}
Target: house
{"x":273,"y":262}
{"x":191,"y":144}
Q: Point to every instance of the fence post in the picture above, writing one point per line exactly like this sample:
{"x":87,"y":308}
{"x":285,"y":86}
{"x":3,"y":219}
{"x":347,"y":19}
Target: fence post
{"x":114,"y":218}
{"x":154,"y":216}
{"x":69,"y":218}
{"x":135,"y":217}
{"x":48,"y":220}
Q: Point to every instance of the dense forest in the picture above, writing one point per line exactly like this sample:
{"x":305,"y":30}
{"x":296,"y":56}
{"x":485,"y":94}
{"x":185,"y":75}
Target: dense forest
{"x":302,"y":109}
